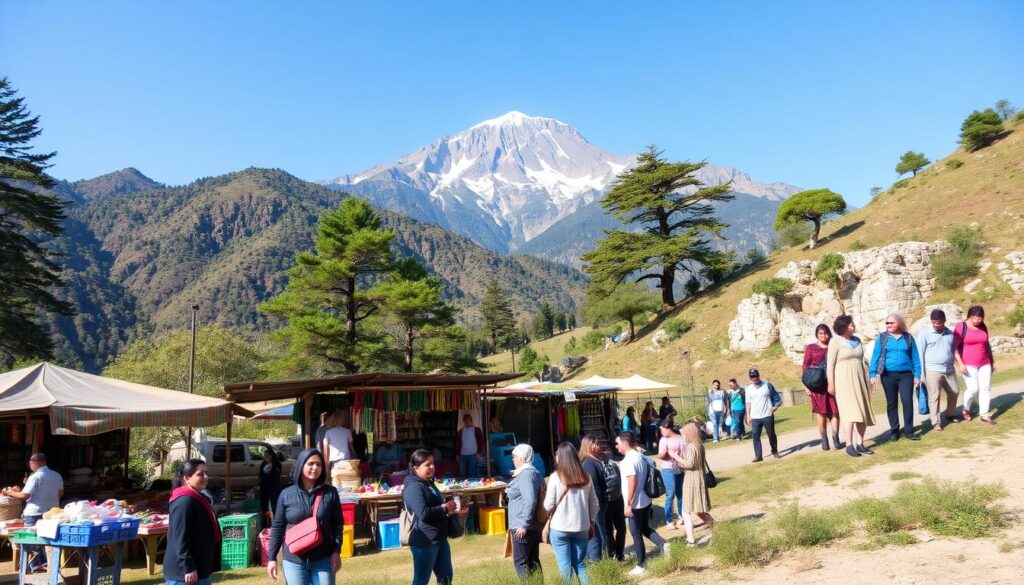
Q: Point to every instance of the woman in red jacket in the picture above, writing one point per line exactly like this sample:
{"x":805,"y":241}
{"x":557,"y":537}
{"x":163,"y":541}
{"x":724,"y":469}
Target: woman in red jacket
{"x":823,"y":404}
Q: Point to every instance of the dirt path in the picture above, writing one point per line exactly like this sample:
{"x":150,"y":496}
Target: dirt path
{"x":934,"y":560}
{"x":795,"y":443}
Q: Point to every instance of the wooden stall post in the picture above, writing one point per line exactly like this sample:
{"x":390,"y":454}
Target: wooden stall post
{"x":551,"y":435}
{"x":307,"y":421}
{"x":487,"y":433}
{"x":227,"y":458}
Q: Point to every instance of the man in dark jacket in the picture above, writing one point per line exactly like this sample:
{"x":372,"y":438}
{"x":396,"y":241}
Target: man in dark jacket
{"x":295,"y":505}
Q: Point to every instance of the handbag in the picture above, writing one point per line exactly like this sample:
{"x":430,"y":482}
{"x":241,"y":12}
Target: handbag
{"x":922,"y":399}
{"x":815,"y":379}
{"x":405,"y":522}
{"x":508,"y":543}
{"x":456,"y":525}
{"x":546,"y":532}
{"x":305,"y":536}
{"x":709,"y":476}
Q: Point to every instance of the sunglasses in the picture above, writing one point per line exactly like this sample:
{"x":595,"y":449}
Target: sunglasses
{"x":889,"y":323}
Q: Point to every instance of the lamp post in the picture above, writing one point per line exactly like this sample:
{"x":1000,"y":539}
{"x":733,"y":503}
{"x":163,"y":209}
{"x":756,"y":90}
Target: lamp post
{"x":685,"y":352}
{"x":191,"y":379}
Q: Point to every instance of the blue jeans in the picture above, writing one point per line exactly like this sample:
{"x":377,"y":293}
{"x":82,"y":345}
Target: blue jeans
{"x":737,"y":423}
{"x":570,"y":550}
{"x":436,"y":559}
{"x":716,"y":420}
{"x":673,"y":493}
{"x":40,"y":552}
{"x":312,"y":573}
{"x":601,"y":540}
{"x":467,"y":466}
{"x":205,"y":581}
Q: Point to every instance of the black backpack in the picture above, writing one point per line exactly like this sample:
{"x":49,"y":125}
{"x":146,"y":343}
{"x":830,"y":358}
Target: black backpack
{"x":612,"y":481}
{"x":654,"y":485}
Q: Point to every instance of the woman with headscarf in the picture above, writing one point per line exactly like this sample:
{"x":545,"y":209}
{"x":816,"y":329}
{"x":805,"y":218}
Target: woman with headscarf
{"x":523,"y":498}
{"x":193,"y":534}
{"x":310,"y":496}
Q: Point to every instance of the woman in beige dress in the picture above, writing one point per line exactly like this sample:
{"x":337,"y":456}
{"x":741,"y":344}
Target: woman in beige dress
{"x":695,"y":491}
{"x":848,"y":382}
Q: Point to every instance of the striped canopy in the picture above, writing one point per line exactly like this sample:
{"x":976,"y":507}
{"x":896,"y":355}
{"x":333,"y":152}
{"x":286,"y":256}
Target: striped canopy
{"x":84,"y":404}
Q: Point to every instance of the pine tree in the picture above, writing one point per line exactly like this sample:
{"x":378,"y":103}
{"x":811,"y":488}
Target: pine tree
{"x":627,"y":302}
{"x":571,"y":321}
{"x":326,"y":302}
{"x":560,"y":322}
{"x":911,"y":162}
{"x":413,"y":308}
{"x":499,"y":320}
{"x":549,"y":318}
{"x":674,"y":210}
{"x":813,"y":205}
{"x":28,"y":214}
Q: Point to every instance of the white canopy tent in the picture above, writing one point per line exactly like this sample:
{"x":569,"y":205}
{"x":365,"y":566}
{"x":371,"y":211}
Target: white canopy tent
{"x":635,"y":384}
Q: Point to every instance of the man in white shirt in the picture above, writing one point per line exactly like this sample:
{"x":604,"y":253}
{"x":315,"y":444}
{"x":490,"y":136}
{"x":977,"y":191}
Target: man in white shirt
{"x":762,"y":402}
{"x":633,"y":470}
{"x":469,"y":447}
{"x":337,"y":444}
{"x":42,"y":491}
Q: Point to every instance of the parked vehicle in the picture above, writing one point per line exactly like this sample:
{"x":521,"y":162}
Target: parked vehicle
{"x":246,"y":459}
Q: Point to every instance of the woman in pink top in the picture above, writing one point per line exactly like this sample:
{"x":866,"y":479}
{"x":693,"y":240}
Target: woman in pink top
{"x":671,"y":443}
{"x":973,"y":354}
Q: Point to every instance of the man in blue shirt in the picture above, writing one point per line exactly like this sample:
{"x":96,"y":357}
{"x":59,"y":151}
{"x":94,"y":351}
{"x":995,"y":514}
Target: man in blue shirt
{"x":936,"y":345}
{"x":896,"y":363}
{"x":42,"y":491}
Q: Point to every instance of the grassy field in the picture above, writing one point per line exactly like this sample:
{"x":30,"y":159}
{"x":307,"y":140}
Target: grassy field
{"x":553,"y":347}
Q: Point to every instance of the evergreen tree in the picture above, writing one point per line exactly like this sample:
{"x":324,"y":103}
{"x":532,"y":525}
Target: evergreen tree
{"x":326,"y":301}
{"x":549,"y":318}
{"x":28,"y":213}
{"x":499,"y":320}
{"x":449,"y":353}
{"x":560,"y":322}
{"x":981,"y":129}
{"x":531,"y":363}
{"x":1005,"y":109}
{"x":674,"y":211}
{"x":813,"y":205}
{"x":911,"y":162}
{"x":413,"y":309}
{"x":570,"y":321}
{"x":627,"y":302}
{"x":539,"y":327}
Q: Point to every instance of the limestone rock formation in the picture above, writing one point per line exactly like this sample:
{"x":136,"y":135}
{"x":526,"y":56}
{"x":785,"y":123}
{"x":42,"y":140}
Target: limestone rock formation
{"x":1012,"y":270}
{"x":756,"y":325}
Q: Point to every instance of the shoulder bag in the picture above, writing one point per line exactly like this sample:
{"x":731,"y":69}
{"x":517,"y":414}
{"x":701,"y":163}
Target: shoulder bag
{"x":545,"y":534}
{"x":709,"y":476}
{"x":305,"y":536}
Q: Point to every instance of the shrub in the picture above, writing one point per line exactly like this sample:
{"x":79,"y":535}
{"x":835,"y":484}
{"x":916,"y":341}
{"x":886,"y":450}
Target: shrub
{"x":677,"y":327}
{"x":960,"y":261}
{"x":858,"y":245}
{"x":742,"y":543}
{"x":967,"y":240}
{"x":875,"y":515}
{"x":1019,"y":117}
{"x":899,"y":184}
{"x":796,"y":234}
{"x":773,"y":287}
{"x":801,"y":527}
{"x":594,"y":338}
{"x":570,"y":346}
{"x":827,"y":270}
{"x":981,"y":129}
{"x":901,"y":475}
{"x":954,"y":163}
{"x":950,"y":509}
{"x":1015,"y":316}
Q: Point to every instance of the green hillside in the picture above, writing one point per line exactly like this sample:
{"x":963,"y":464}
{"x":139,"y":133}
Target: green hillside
{"x":988,"y":188}
{"x":142,"y":254}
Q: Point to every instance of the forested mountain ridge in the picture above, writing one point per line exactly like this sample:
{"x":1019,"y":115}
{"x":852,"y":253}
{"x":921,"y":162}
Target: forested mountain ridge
{"x":139,"y":254}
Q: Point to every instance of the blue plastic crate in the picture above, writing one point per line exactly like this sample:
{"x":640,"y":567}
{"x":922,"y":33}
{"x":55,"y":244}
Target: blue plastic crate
{"x":127,"y":529}
{"x":387,"y":535}
{"x":84,"y":535}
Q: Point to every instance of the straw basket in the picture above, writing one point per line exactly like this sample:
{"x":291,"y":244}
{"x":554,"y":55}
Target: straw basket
{"x":10,"y":508}
{"x":345,"y":475}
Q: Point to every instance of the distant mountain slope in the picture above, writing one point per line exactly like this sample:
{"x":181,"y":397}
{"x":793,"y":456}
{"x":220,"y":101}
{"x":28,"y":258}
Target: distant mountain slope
{"x":122,"y":182}
{"x":140,"y":259}
{"x":507,"y":182}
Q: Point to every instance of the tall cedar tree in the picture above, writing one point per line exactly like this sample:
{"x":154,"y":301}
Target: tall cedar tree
{"x":549,"y":318}
{"x":27,"y":216}
{"x":813,"y":205}
{"x":499,"y":320}
{"x":326,"y":298}
{"x":674,"y":210}
{"x":413,"y":308}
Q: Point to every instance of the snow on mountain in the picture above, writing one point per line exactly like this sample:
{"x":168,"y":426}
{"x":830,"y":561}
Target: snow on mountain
{"x":505,"y":181}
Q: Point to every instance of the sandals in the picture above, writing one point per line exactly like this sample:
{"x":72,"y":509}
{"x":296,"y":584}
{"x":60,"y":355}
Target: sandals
{"x":987,"y":420}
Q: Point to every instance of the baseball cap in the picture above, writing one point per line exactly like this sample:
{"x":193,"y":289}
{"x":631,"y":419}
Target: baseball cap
{"x":753,"y":373}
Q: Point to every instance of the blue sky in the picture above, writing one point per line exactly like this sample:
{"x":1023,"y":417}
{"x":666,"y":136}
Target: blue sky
{"x":818,"y":94}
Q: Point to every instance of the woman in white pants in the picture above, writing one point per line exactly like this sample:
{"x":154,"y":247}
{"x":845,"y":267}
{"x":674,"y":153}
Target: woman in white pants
{"x":974,"y":359}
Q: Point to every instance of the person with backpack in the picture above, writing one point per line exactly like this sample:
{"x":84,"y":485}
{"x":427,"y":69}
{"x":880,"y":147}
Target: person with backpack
{"x":670,"y":446}
{"x":308,"y":525}
{"x":696,"y":500}
{"x":935,"y":341}
{"x":524,"y":495}
{"x":572,"y":504}
{"x":815,"y":380}
{"x":762,"y":402}
{"x":640,"y":483}
{"x":896,"y":363}
{"x":975,"y":360}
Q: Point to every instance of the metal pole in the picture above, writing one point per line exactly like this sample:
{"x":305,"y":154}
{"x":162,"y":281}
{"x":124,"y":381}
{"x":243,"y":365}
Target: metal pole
{"x":191,"y":382}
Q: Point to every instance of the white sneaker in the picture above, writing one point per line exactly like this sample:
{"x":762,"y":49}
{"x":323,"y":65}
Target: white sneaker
{"x":636,"y":572}
{"x":665,"y":549}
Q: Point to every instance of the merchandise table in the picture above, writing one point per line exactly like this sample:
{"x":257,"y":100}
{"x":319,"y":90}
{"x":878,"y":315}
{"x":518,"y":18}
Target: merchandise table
{"x":374,"y":503}
{"x":150,"y":538}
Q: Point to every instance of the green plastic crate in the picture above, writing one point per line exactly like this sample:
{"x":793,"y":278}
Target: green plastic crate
{"x":251,"y":506}
{"x":239,"y":527}
{"x":236,"y":554}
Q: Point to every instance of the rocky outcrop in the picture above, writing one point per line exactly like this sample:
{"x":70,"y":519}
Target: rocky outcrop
{"x":875,"y":282}
{"x":1012,"y":270}
{"x":756,"y":325}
